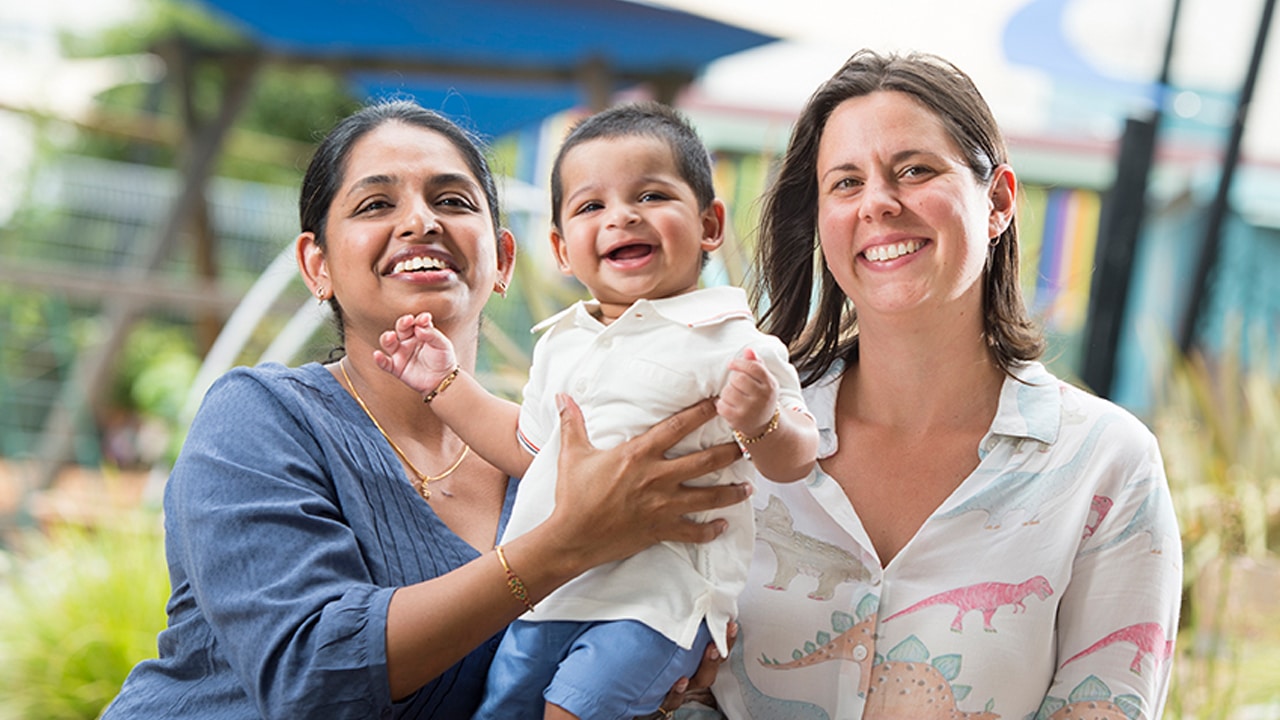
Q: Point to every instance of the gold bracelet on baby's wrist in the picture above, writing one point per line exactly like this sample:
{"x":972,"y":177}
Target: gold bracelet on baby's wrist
{"x":444,"y":383}
{"x":770,"y":427}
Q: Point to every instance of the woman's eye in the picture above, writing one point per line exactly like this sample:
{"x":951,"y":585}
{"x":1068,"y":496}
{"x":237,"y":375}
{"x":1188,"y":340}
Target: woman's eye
{"x":917,"y":171}
{"x":371,"y":206}
{"x":457,"y":201}
{"x":845,"y":184}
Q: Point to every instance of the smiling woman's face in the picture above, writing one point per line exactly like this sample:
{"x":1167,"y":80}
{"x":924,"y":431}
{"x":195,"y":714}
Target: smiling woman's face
{"x":408,"y":231}
{"x":902,"y":219}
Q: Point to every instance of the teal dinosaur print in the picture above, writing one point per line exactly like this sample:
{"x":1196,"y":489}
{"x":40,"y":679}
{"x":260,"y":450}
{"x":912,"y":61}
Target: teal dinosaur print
{"x":1028,"y":491}
{"x":1144,"y":520}
{"x":765,"y":707}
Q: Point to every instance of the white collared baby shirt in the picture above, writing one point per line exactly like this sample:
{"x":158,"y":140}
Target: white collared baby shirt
{"x":658,"y":358}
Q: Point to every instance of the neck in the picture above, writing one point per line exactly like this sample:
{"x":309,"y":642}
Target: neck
{"x":608,"y":312}
{"x":928,"y":373}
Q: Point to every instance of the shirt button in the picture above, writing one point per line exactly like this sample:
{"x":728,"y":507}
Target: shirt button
{"x":580,"y":387}
{"x":990,"y":444}
{"x":606,"y":343}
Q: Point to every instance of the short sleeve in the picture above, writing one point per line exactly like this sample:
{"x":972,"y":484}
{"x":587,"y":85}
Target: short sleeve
{"x":774,"y":355}
{"x":537,"y":411}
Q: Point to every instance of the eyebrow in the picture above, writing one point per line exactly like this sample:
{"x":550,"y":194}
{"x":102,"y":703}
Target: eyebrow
{"x":370,"y":180}
{"x":455,"y":179}
{"x":893,"y":160}
{"x":663,"y":180}
{"x":435,"y":180}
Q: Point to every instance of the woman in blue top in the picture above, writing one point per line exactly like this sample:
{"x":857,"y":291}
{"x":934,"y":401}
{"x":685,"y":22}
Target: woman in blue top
{"x":330,"y":542}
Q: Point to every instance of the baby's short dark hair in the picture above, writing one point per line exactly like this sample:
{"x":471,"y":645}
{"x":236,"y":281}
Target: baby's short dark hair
{"x":648,"y":119}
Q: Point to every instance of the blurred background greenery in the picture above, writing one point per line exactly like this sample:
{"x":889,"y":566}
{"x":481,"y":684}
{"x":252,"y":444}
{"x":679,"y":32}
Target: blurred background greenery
{"x":82,"y":575}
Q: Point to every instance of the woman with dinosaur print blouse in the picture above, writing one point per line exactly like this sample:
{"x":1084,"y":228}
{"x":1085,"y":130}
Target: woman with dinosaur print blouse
{"x":981,"y":539}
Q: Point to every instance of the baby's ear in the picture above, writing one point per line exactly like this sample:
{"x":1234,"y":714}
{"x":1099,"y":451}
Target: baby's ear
{"x":560,"y":248}
{"x":713,"y":223}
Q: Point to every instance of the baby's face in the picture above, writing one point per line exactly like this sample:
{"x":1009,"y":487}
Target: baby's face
{"x":630,"y":224}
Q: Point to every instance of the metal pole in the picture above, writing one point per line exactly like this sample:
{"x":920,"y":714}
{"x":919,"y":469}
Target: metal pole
{"x":93,"y":366}
{"x":1120,"y":227}
{"x":1218,"y":209}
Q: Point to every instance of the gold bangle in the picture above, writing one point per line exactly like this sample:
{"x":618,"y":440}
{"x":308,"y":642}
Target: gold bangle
{"x":514,"y":583}
{"x":773,"y":425}
{"x":446,"y":382}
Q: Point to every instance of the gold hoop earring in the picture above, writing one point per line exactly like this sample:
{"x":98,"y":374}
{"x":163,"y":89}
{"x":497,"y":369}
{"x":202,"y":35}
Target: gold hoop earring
{"x":320,"y":295}
{"x":501,"y":288}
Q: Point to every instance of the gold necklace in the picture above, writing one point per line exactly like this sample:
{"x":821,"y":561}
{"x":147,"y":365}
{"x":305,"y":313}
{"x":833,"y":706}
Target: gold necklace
{"x":423,"y":479}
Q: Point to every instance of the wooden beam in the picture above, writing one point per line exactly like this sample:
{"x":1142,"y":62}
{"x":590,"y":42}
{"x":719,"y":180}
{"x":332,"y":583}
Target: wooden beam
{"x":161,"y":130}
{"x":93,"y":366}
{"x":156,"y":294}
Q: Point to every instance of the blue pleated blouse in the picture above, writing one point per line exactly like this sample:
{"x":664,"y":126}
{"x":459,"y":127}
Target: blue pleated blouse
{"x":289,"y":523}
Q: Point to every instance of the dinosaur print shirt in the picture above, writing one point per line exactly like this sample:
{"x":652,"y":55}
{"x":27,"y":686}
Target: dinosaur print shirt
{"x":1047,"y":583}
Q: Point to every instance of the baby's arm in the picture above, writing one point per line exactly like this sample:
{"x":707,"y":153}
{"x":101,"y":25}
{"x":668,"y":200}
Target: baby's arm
{"x":783,"y":449}
{"x":423,"y":358}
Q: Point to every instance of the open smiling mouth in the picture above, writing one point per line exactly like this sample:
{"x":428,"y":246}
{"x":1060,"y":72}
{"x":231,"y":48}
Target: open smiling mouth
{"x":630,"y":252}
{"x":421,"y":263}
{"x":892,"y":251}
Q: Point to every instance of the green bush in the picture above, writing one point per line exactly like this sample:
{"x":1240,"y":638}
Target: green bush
{"x":1218,"y":422}
{"x":79,"y":607}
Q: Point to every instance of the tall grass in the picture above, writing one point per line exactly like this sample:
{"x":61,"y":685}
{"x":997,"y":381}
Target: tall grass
{"x":1219,"y":428}
{"x":78,"y":608}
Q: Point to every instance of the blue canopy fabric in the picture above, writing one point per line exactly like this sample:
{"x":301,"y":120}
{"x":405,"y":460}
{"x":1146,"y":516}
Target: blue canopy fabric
{"x":495,"y":64}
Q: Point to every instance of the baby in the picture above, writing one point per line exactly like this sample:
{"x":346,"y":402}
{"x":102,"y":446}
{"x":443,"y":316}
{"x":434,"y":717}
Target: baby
{"x":634,"y":215}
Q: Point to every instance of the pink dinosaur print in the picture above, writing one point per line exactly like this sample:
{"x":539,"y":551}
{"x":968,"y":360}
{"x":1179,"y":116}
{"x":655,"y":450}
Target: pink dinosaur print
{"x":1097,"y":512}
{"x":985,"y":597}
{"x":1148,"y":637}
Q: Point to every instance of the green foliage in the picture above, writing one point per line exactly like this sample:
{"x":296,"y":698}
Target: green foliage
{"x":1219,"y":430}
{"x":156,"y":22}
{"x":1218,"y":423}
{"x":288,"y":103}
{"x":156,"y":366}
{"x":78,"y":609}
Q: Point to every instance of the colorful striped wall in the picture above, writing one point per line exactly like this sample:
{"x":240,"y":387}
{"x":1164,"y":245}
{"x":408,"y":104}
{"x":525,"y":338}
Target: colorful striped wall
{"x":1058,"y":232}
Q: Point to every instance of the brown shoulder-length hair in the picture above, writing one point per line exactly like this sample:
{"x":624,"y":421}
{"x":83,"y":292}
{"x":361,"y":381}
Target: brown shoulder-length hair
{"x":787,"y":253}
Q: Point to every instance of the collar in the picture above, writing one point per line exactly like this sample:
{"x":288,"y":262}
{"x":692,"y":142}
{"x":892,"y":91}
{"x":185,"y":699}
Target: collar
{"x":1030,"y":406}
{"x":700,"y":308}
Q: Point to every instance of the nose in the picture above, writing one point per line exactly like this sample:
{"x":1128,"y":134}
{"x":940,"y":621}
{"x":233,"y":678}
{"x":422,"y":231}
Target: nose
{"x":418,"y":220}
{"x":622,"y":215}
{"x":879,"y":199}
